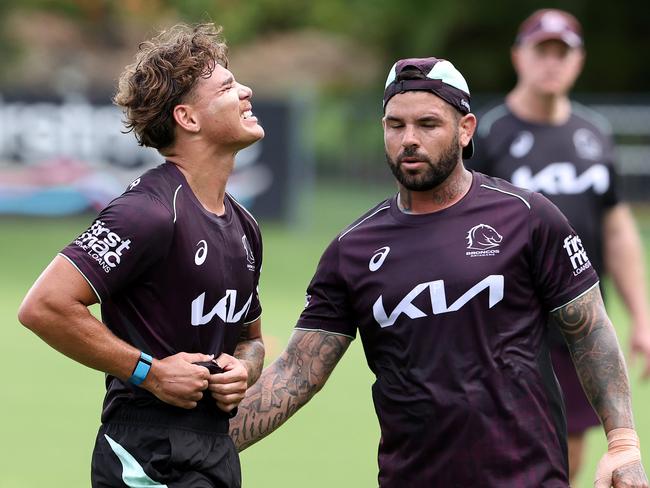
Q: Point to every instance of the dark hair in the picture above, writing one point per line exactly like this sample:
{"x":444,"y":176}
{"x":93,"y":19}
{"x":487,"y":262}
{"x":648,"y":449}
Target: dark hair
{"x":164,"y":73}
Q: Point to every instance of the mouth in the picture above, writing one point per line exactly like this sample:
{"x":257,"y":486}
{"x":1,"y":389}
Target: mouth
{"x":247,"y":115}
{"x":411,"y":162}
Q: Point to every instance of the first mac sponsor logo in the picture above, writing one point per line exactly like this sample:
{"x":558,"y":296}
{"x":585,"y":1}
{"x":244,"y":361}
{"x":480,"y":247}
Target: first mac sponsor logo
{"x":103,"y":245}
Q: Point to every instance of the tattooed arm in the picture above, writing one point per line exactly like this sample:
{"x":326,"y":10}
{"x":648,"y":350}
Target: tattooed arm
{"x":250,"y":350}
{"x":239,"y":371}
{"x":597,"y":357}
{"x":287,"y":384}
{"x":600,"y":366}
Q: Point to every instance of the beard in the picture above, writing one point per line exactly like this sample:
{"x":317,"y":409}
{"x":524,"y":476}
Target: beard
{"x":433,"y":175}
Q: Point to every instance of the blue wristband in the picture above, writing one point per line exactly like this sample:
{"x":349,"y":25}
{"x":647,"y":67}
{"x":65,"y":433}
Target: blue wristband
{"x":141,"y":369}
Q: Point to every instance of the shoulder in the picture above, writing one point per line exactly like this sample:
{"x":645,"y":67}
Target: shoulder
{"x":157,"y":188}
{"x":491,"y":119}
{"x":587,"y":116}
{"x":497,"y":188}
{"x":371,"y":216}
{"x":146,"y":204}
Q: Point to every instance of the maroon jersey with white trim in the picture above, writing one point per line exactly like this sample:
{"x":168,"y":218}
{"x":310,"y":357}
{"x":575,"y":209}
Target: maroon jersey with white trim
{"x":171,"y":277}
{"x":452,"y":310}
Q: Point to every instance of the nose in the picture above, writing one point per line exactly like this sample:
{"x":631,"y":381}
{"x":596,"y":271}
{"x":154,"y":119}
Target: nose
{"x":409,"y":139}
{"x":245,"y":92}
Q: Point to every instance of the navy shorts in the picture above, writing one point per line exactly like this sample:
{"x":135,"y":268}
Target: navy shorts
{"x":580,"y":414}
{"x":165,"y":447}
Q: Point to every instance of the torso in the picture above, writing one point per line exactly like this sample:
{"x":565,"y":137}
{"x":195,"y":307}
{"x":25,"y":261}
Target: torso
{"x":186,"y":283}
{"x":453,"y":323}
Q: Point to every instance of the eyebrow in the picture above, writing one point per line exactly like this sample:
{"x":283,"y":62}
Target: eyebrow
{"x":228,"y":81}
{"x":423,"y":118}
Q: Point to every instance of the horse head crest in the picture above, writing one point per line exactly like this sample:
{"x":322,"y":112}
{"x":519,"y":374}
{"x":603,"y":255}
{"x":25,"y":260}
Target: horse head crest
{"x":483,"y":237}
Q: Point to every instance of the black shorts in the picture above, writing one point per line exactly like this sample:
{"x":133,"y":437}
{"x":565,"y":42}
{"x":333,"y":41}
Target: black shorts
{"x":169,"y":447}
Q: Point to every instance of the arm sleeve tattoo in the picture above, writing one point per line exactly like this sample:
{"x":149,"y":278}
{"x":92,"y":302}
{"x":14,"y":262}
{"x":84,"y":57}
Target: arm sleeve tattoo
{"x":287,"y":384}
{"x":597,"y":356}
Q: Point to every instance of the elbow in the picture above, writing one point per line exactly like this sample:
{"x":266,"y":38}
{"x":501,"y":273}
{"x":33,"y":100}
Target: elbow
{"x":28,"y":313}
{"x":33,"y":313}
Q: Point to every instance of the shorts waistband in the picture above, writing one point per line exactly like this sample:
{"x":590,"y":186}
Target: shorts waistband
{"x":178,"y":418}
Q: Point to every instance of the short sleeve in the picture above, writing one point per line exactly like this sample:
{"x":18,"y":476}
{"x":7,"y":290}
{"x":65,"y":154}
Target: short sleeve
{"x":562,"y":270}
{"x":124,"y":241}
{"x":327,"y":304}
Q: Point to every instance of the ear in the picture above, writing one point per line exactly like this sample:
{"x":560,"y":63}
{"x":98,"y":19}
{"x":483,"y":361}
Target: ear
{"x":466,"y":128}
{"x":583,"y":55}
{"x":186,"y":118}
{"x":514,"y":58}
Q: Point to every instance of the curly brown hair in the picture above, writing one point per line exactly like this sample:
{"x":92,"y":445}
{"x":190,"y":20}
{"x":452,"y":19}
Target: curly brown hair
{"x":164,"y":74}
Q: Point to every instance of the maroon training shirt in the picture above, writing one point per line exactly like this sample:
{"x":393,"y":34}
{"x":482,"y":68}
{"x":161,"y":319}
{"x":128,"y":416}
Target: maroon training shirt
{"x":171,"y":277}
{"x":452,"y":308}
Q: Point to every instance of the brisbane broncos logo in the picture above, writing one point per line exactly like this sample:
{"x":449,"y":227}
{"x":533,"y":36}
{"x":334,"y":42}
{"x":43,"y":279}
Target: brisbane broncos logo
{"x":482,"y":236}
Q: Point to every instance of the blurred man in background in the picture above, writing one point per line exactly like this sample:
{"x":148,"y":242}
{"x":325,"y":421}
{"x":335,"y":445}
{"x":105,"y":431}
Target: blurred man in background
{"x":450,"y":284}
{"x":540,"y":140}
{"x":175,"y":263}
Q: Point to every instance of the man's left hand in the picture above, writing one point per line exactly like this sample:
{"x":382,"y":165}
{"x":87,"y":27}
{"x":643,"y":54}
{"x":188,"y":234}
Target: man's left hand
{"x":621,"y":466}
{"x":228,"y":388}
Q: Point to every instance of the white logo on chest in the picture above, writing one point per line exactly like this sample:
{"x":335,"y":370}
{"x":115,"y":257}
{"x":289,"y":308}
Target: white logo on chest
{"x":250,"y":258}
{"x":522,"y":144}
{"x":201,"y":253}
{"x":587,"y":144}
{"x":562,"y":179}
{"x":378,"y":258}
{"x":493,"y":283}
{"x":225,"y":309}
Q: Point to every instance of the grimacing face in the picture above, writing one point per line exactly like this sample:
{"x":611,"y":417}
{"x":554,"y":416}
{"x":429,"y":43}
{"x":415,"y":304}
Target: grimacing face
{"x":221,"y":109}
{"x":549,"y":68}
{"x":422,"y":139}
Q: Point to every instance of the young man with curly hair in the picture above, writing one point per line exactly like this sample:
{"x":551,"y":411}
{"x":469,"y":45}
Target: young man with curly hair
{"x":175,"y":263}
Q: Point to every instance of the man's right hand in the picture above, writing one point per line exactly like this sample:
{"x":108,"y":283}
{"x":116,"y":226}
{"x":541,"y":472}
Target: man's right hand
{"x":175,"y":380}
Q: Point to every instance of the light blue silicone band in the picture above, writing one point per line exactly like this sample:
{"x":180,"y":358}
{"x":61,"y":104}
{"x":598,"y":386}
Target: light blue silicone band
{"x":141,"y":369}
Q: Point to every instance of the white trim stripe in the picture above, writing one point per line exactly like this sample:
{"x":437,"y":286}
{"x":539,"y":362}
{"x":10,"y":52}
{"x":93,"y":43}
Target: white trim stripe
{"x":243,"y":208}
{"x":85,"y":277}
{"x":359,"y":223}
{"x":507,"y":193}
{"x":574,"y":299}
{"x":251,"y":321}
{"x":323,"y":330}
{"x":174,"y":203}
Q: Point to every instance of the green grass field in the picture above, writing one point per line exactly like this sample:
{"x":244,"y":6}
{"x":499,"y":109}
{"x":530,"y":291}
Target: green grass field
{"x":50,"y":405}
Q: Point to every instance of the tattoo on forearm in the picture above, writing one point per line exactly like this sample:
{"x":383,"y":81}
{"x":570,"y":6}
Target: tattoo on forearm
{"x":597,"y":357}
{"x":251,"y":353}
{"x":287,"y":384}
